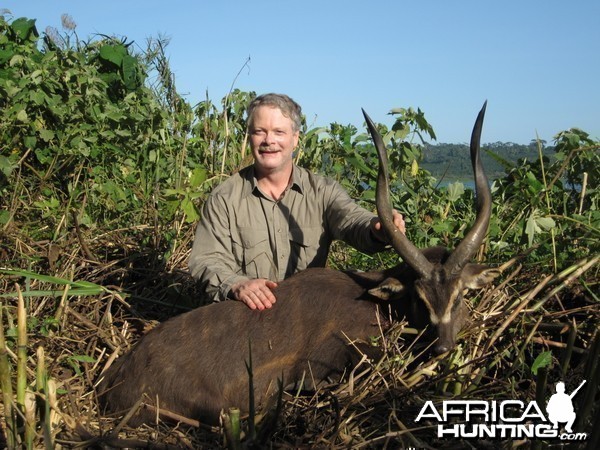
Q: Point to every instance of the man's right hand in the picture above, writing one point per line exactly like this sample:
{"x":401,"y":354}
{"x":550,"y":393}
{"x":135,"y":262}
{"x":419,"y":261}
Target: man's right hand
{"x":256,"y":293}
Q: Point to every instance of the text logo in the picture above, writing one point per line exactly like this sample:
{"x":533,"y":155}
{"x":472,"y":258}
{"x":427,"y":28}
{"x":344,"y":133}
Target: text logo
{"x":505,"y":419}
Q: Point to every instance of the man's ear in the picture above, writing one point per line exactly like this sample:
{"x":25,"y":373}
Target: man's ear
{"x":388,"y":289}
{"x":476,"y":276}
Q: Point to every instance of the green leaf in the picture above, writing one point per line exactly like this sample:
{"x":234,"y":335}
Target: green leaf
{"x":6,"y":54}
{"x":368,"y":195}
{"x":37,"y":97}
{"x":357,"y":162}
{"x":545,"y":223}
{"x":113,"y":53}
{"x":442,"y":227}
{"x":198,"y":177}
{"x":455,"y":191}
{"x":174,"y":192}
{"x":6,"y":166}
{"x":543,"y":360}
{"x":82,"y":358}
{"x":414,"y":168}
{"x":4,"y":217}
{"x":534,"y":185}
{"x":22,"y":116}
{"x":46,"y":135}
{"x":190,"y":211}
{"x":123,"y":133}
{"x":24,"y":27}
{"x":30,"y":141}
{"x":130,"y":72}
{"x":400,"y":129}
{"x":51,"y":279}
{"x":530,"y":229}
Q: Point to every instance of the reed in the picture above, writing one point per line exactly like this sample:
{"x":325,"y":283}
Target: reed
{"x":10,"y":417}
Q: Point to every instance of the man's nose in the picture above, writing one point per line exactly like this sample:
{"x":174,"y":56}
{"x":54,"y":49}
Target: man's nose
{"x":269,"y":138}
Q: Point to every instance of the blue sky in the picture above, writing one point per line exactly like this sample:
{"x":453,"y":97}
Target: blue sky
{"x":537,"y":62}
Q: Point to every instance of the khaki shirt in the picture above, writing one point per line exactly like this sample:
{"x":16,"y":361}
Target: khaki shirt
{"x":244,"y":234}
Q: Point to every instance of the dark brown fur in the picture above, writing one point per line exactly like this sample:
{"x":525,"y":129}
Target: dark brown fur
{"x":195,"y":362}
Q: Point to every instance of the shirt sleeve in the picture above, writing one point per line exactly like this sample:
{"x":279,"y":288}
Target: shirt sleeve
{"x":212,"y":261}
{"x":349,"y":222}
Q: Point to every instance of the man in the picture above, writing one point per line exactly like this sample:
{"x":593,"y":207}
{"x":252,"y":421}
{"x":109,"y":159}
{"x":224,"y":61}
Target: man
{"x":273,"y":218}
{"x":560,"y":407}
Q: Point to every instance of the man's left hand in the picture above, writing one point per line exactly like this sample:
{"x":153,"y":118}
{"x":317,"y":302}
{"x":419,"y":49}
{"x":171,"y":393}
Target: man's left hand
{"x":398,"y":222}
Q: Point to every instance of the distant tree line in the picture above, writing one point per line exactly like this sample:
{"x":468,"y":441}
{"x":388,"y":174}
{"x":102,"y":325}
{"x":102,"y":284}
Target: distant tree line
{"x":452,"y":162}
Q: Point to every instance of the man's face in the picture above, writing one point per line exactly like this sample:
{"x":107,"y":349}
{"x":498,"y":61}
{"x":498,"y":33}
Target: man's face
{"x":272,"y":140}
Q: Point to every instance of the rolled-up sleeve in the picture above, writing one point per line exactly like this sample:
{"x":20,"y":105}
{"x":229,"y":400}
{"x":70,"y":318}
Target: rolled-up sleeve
{"x":212,"y":261}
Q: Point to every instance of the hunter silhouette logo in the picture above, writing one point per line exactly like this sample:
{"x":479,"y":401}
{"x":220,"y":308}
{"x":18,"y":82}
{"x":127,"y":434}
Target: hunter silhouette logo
{"x":505,"y":419}
{"x":560,"y":407}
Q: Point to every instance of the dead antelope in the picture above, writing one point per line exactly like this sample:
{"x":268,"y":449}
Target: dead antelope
{"x":195,"y":364}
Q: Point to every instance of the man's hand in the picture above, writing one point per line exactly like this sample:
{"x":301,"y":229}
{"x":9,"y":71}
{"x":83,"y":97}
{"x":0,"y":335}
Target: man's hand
{"x":256,"y":293}
{"x":378,"y":232}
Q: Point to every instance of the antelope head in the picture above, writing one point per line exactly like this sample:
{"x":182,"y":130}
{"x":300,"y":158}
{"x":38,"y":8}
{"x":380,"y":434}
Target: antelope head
{"x":441,"y":277}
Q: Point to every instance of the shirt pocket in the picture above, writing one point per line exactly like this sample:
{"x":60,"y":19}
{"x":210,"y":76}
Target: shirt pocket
{"x":255,"y":254}
{"x":307,"y":247}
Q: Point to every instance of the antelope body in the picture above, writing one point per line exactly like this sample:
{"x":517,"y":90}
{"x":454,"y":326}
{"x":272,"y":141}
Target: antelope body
{"x":195,"y":364}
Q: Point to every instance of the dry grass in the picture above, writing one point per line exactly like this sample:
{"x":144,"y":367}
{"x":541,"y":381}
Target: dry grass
{"x":79,"y":332}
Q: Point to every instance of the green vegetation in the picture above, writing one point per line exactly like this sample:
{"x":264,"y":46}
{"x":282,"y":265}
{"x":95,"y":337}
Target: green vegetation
{"x":103,"y":168}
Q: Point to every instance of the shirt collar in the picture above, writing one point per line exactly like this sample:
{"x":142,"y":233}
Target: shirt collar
{"x":297,"y":179}
{"x":251,"y":186}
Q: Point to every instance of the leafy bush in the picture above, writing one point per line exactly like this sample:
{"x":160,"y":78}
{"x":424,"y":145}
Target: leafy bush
{"x":551,"y":206}
{"x":81,"y":134}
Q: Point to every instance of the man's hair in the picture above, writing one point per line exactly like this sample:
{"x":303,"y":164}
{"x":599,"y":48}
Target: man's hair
{"x":288,"y":107}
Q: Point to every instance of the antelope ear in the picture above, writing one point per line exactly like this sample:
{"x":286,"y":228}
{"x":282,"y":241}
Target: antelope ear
{"x":388,"y":289}
{"x":476,"y":276}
